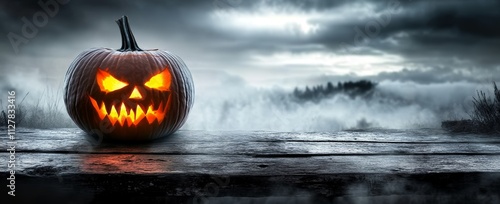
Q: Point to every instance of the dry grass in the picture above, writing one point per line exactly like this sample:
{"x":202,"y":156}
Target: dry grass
{"x":46,"y":112}
{"x":486,"y":113}
{"x":484,"y":118}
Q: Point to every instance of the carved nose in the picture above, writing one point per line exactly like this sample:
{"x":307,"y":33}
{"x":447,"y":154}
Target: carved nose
{"x":135,"y":94}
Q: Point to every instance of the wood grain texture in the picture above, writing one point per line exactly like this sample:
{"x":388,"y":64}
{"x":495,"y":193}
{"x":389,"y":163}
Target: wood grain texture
{"x":259,"y":163}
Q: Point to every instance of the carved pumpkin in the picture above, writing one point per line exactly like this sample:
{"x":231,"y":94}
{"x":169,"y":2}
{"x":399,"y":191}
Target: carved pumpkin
{"x":129,"y":93}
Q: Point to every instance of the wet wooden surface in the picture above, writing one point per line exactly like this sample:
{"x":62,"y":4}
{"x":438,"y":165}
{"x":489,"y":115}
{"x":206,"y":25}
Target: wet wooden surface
{"x":201,"y":165}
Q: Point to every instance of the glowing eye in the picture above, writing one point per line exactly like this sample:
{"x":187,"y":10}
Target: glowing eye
{"x":160,"y":81}
{"x":107,"y":82}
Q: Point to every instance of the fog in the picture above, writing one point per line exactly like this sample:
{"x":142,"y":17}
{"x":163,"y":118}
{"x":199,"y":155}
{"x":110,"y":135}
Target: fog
{"x":232,"y":104}
{"x":228,"y":102}
{"x":246,"y":58}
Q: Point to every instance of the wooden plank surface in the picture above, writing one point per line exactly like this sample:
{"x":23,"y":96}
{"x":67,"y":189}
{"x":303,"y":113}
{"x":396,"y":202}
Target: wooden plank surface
{"x":260,"y":153}
{"x":36,"y":164}
{"x":258,"y":163}
{"x":264,"y":143}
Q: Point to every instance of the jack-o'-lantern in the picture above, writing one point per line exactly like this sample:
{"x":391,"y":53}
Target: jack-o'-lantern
{"x":128,"y":93}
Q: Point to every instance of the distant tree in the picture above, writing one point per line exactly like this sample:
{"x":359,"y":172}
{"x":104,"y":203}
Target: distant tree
{"x":296,"y":92}
{"x":321,"y":88}
{"x":329,"y":88}
{"x":307,"y":93}
{"x":351,"y":88}
{"x":318,"y":91}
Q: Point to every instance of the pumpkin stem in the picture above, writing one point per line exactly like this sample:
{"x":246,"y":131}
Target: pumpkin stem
{"x":128,"y":40}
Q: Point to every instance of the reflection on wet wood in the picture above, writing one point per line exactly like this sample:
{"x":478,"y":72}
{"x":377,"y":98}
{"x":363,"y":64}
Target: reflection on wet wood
{"x":349,"y":163}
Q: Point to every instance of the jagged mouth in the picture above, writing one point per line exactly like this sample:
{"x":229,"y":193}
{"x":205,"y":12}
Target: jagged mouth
{"x":127,"y":116}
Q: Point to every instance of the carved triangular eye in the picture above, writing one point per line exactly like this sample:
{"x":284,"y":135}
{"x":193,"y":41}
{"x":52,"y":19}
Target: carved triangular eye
{"x":108,"y":83}
{"x":160,"y":81}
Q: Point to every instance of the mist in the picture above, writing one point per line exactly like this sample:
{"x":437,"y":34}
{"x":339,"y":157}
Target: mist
{"x":246,"y":58}
{"x":233,"y":104}
{"x":228,"y":102}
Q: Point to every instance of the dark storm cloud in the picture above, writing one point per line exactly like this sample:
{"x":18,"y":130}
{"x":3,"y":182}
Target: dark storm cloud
{"x":179,"y":25}
{"x":459,"y":34}
{"x":434,"y":75}
{"x":465,"y":30}
{"x":308,"y":5}
{"x":439,"y":75}
{"x":429,"y":29}
{"x":227,"y":43}
{"x":81,"y":24}
{"x":77,"y":15}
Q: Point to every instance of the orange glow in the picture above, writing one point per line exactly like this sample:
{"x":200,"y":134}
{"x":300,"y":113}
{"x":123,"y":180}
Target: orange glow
{"x":119,"y":163}
{"x":127,"y":116}
{"x":160,"y":81}
{"x":135,"y":94}
{"x":107,"y":82}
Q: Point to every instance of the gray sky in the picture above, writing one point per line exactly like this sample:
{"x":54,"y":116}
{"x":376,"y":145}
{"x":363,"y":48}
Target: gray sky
{"x":265,"y":42}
